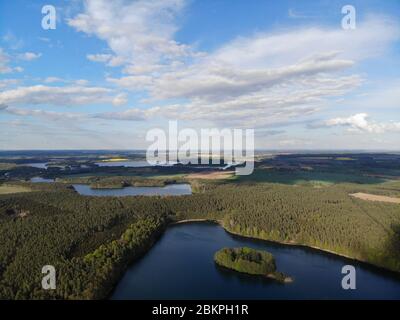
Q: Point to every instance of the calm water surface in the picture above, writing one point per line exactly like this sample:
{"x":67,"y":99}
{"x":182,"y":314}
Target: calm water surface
{"x":168,"y":190}
{"x":130,"y":164}
{"x":40,"y":165}
{"x":40,"y":179}
{"x":181,"y":266}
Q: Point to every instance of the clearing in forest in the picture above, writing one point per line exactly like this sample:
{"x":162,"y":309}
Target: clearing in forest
{"x":211,"y":175}
{"x":373,"y":197}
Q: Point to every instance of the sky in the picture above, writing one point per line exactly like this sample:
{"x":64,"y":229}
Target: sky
{"x":111,"y":71}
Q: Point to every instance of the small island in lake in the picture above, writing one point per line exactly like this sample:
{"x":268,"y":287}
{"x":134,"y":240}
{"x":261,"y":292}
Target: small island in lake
{"x":250,"y":261}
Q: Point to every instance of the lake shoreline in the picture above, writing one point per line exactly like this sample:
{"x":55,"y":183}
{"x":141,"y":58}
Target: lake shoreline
{"x":161,"y":232}
{"x":292,"y":244}
{"x":178,"y":228}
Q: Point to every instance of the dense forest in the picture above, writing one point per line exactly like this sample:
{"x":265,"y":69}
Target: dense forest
{"x":91,"y":240}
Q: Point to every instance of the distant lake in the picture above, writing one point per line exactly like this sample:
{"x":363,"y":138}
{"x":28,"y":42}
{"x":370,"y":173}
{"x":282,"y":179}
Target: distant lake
{"x":144,"y":163}
{"x":181,"y":266}
{"x":40,"y":179}
{"x":40,"y":165}
{"x":130,"y":164}
{"x":168,"y":190}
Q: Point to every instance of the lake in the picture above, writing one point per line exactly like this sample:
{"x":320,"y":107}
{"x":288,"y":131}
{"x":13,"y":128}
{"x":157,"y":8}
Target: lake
{"x":181,"y":266}
{"x":168,"y":190}
{"x":40,"y":179}
{"x":39,"y":165}
{"x":128,"y":164}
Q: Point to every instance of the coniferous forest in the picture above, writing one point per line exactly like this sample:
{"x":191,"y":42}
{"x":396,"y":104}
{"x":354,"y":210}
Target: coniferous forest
{"x":92,"y":240}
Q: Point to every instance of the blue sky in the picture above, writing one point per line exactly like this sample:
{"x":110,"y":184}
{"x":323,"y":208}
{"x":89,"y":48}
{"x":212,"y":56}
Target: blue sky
{"x":111,"y":71}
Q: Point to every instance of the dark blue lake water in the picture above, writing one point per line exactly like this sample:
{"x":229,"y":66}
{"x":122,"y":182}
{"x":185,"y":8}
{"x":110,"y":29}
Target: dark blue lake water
{"x":181,"y":266}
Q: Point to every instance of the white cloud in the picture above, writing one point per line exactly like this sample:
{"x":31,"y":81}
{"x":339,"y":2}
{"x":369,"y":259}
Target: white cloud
{"x":81,"y":82}
{"x":60,"y":96}
{"x":371,"y":38}
{"x":139,"y":33}
{"x":8,"y":82}
{"x":257,"y":80}
{"x":134,"y":83}
{"x":120,"y":99}
{"x":100,"y":57}
{"x":132,"y":115}
{"x":4,"y":63}
{"x":217,"y":81}
{"x":78,"y":82}
{"x":29,"y":56}
{"x":12,"y":41}
{"x":53,"y":79}
{"x":360,"y":122}
{"x":50,"y":115}
{"x":264,"y":78}
{"x":110,"y":60}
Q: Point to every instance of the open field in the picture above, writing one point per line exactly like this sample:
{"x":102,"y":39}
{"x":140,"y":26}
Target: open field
{"x":211,"y":175}
{"x":373,"y":197}
{"x":115,"y":160}
{"x":7,"y":166}
{"x":8,"y":189}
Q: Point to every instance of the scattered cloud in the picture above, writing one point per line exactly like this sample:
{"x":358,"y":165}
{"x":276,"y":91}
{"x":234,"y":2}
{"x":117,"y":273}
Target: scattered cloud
{"x":8,"y":82}
{"x":360,"y":123}
{"x":50,"y":115}
{"x":60,"y":96}
{"x":139,"y":33}
{"x":53,"y":79}
{"x":13,"y":41}
{"x":110,"y":60}
{"x":100,"y":57}
{"x":264,"y":78}
{"x":132,"y":115}
{"x":29,"y":56}
{"x":4,"y":63}
{"x":267,"y":80}
{"x":81,"y":82}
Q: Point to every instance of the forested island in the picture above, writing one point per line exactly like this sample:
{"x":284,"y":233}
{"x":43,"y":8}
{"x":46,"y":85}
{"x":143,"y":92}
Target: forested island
{"x":303,"y":199}
{"x":250,"y":261}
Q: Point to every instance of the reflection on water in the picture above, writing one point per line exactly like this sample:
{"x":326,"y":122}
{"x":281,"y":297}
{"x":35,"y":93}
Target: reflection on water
{"x":133,"y":164}
{"x":130,"y":164}
{"x":40,"y":165}
{"x":40,"y":179}
{"x":181,"y":266}
{"x":168,"y":190}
